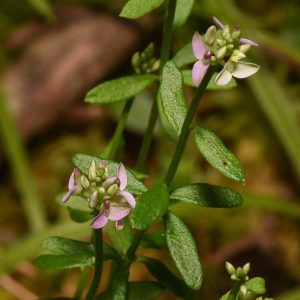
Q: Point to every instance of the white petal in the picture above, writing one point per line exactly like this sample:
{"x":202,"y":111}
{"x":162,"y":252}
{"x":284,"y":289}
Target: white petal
{"x":223,"y":77}
{"x":244,"y":69}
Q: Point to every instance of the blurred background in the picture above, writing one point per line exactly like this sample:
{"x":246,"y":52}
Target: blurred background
{"x":53,"y":52}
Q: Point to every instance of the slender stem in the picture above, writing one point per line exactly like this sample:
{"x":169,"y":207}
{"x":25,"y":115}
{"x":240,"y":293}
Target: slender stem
{"x":18,"y":160}
{"x":98,"y":243}
{"x":185,"y":131}
{"x":164,"y":56}
{"x":81,"y":284}
{"x":234,"y":291}
{"x":134,"y":245}
{"x":115,"y":141}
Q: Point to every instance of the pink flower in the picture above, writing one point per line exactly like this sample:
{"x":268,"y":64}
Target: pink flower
{"x":203,"y":55}
{"x":124,"y":202}
{"x":74,"y":185}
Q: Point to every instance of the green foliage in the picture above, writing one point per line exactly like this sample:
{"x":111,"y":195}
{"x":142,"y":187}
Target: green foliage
{"x":150,"y":206}
{"x":182,"y":12}
{"x":155,"y":240}
{"x":256,"y":285}
{"x":120,"y":283}
{"x":173,"y":102}
{"x":119,"y":89}
{"x":219,"y":157}
{"x":43,"y":8}
{"x":83,"y":162}
{"x":184,"y":56}
{"x":204,"y":194}
{"x":166,"y":277}
{"x":134,"y":9}
{"x":183,"y":250}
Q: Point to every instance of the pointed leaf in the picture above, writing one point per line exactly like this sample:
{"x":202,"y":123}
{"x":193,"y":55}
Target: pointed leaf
{"x":184,"y":56}
{"x":83,"y":162}
{"x":57,"y":262}
{"x":218,"y":156}
{"x":256,"y":285}
{"x":183,"y":250}
{"x":120,"y":284}
{"x":150,"y":206}
{"x":172,"y":99}
{"x":187,"y":77}
{"x":119,"y":89}
{"x":134,"y":9}
{"x":166,"y":277}
{"x":182,"y":12}
{"x":208,"y":195}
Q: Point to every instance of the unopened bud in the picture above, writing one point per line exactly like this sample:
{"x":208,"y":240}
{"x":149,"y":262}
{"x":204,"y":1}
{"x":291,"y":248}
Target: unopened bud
{"x":101,"y":191}
{"x":112,"y":189}
{"x":240,"y":272}
{"x":236,"y":34}
{"x":230,"y":46}
{"x":210,"y":35}
{"x":93,"y":201}
{"x":220,"y":42}
{"x":243,"y":290}
{"x":230,"y":268}
{"x":244,"y":48}
{"x":246,"y":268}
{"x":220,"y":53}
{"x":92,"y":171}
{"x":84,"y":182}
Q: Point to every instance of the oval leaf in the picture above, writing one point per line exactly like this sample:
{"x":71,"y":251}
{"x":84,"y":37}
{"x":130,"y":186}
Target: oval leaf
{"x":134,"y":9}
{"x":150,"y":206}
{"x":208,"y":195}
{"x":58,"y":262}
{"x":120,"y":284}
{"x":182,"y":12}
{"x":183,"y":250}
{"x":187,"y":77}
{"x":83,"y":162}
{"x":166,"y":277}
{"x":119,"y":89}
{"x":218,"y":156}
{"x":256,"y":285}
{"x":171,"y":94}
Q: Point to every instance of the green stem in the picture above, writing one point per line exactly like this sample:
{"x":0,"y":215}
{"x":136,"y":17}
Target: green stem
{"x":185,"y":131}
{"x":17,"y":157}
{"x":81,"y":284}
{"x":134,"y":245}
{"x":234,"y":291}
{"x":164,"y":56}
{"x":98,"y":243}
{"x":115,"y":142}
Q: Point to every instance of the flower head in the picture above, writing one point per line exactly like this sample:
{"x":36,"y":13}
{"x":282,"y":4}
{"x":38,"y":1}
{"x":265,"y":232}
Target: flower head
{"x":74,"y":185}
{"x":203,"y":56}
{"x":118,"y":203}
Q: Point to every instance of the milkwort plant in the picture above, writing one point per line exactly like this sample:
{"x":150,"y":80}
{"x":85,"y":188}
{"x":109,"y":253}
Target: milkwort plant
{"x":101,"y":189}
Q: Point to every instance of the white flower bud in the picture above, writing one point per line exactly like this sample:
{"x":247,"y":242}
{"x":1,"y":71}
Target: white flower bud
{"x":230,"y":268}
{"x":93,"y":201}
{"x":84,"y":182}
{"x":210,"y":35}
{"x":220,"y":53}
{"x":92,"y":171}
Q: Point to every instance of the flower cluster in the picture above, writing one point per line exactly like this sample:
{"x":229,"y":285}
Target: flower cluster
{"x":222,"y":46}
{"x":105,"y":195}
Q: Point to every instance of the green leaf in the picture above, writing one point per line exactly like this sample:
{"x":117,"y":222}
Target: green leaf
{"x":121,"y":239}
{"x":166,"y":277}
{"x":184,"y":56}
{"x":182,"y":12}
{"x":43,"y":8}
{"x":187,"y":78}
{"x":79,"y":216}
{"x":83,"y":162}
{"x":145,"y":290}
{"x":134,"y":9}
{"x":119,"y":89}
{"x":120,"y":284}
{"x":256,"y":285}
{"x":150,"y":206}
{"x":62,"y":245}
{"x":208,"y":195}
{"x":219,"y":157}
{"x":154,"y":240}
{"x":225,"y":296}
{"x":171,"y":94}
{"x":183,"y":250}
{"x":57,"y":262}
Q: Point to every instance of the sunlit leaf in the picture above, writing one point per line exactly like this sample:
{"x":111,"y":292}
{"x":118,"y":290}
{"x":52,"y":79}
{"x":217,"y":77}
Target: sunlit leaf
{"x":182,"y":12}
{"x":256,"y":285}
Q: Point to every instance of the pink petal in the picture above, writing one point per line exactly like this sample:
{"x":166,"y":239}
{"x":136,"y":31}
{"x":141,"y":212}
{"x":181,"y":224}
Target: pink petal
{"x":248,"y":42}
{"x":199,"y":70}
{"x":122,"y":176}
{"x":129,"y":198}
{"x":120,"y":225}
{"x":71,"y":192}
{"x":118,"y":212}
{"x":99,"y":221}
{"x":72,"y":179}
{"x":198,"y":45}
{"x":218,"y":22}
{"x":108,"y":182}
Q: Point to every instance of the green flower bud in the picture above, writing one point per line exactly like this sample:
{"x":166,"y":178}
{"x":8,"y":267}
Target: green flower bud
{"x":112,"y":189}
{"x":220,"y":53}
{"x":243,"y":290}
{"x":230,"y":46}
{"x":246,"y":268}
{"x":240,"y":273}
{"x":85,"y":182}
{"x":220,"y":42}
{"x":210,"y":35}
{"x":92,"y":171}
{"x":213,"y":60}
{"x":93,"y":201}
{"x":234,"y":277}
{"x":236,"y":34}
{"x":230,"y":268}
{"x":101,"y":191}
{"x":244,"y":48}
